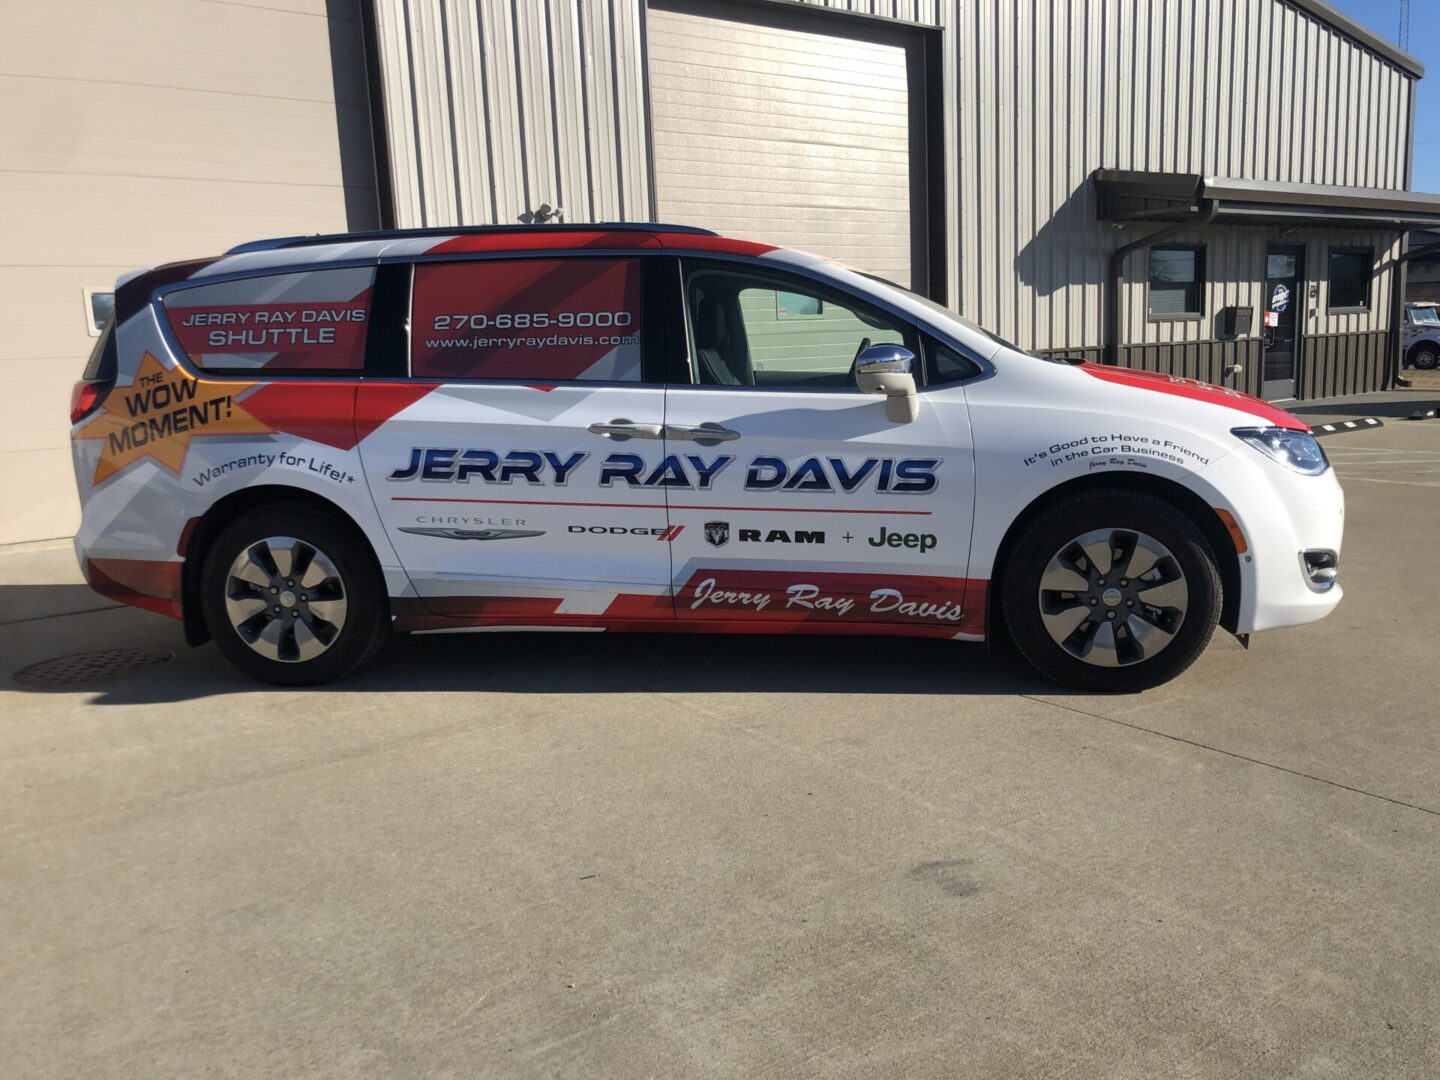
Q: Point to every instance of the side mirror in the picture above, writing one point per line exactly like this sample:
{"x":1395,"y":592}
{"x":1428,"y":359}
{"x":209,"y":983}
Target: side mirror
{"x":889,"y":370}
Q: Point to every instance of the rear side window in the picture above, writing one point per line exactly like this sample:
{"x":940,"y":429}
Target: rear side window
{"x":304,"y":322}
{"x":549,"y":319}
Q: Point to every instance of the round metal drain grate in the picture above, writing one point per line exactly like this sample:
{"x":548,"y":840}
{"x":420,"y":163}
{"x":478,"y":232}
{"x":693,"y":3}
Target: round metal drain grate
{"x":88,"y":667}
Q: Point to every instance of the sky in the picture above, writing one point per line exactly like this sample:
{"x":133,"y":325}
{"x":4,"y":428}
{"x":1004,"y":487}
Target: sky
{"x":1383,"y":17}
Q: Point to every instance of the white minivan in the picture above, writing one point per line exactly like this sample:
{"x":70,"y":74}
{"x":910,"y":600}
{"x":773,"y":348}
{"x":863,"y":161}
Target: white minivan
{"x":308,"y":443}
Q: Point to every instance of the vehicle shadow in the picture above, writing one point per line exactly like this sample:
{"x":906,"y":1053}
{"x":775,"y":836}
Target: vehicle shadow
{"x":589,"y":664}
{"x":56,"y":620}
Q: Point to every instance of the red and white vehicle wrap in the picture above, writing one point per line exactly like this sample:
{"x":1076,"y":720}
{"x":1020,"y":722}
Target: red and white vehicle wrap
{"x":528,"y":429}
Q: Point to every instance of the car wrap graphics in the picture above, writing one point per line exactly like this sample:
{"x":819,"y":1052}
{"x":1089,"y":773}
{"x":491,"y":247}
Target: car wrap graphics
{"x":541,"y":468}
{"x":730,"y":599}
{"x":314,"y":321}
{"x":560,"y":319}
{"x":341,"y":439}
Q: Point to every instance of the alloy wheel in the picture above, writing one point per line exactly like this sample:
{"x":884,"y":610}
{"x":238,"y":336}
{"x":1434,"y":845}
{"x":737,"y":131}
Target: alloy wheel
{"x":285,"y":599}
{"x":1113,"y":597}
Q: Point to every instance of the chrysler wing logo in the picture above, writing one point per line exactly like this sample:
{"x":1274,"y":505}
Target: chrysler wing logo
{"x":472,"y":534}
{"x":717,"y":533}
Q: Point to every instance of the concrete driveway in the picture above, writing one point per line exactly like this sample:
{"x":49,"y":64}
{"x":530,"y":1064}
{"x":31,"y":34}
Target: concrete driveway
{"x":577,"y":856}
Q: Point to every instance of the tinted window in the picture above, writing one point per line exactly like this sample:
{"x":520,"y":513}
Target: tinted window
{"x":552,"y":319}
{"x":1177,"y":277}
{"x":1350,"y":277}
{"x":758,"y":329}
{"x":312,"y":321}
{"x":947,"y":365}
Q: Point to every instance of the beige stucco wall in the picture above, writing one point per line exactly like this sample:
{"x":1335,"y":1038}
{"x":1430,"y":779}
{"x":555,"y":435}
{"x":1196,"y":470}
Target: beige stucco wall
{"x":139,"y":133}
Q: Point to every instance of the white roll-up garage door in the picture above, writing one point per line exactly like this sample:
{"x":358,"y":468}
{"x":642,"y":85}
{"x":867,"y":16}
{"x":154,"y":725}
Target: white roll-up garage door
{"x":789,"y":135}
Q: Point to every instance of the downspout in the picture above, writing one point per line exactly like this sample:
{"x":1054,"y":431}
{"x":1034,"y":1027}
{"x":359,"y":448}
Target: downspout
{"x":1397,"y":309}
{"x":1204,"y":216}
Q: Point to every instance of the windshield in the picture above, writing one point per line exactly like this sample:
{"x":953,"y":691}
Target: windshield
{"x":1425,"y":316}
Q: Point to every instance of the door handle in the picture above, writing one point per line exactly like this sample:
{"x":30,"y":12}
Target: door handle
{"x":621,"y":428}
{"x":708,"y":432}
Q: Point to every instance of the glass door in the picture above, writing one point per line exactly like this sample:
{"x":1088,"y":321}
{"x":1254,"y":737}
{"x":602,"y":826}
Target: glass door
{"x":1283,"y":300}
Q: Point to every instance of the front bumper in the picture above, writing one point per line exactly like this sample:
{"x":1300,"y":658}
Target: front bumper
{"x":1283,"y":516}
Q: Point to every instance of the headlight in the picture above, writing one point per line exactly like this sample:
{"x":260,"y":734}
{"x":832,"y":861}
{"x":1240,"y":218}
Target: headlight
{"x":1293,"y":449}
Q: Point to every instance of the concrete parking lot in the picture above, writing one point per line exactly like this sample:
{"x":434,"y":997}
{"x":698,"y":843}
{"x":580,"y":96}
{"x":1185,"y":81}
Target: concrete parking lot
{"x":590,"y":856}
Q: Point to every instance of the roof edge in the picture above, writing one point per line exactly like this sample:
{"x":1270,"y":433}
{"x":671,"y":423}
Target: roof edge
{"x":318,"y":239}
{"x":1361,"y":34}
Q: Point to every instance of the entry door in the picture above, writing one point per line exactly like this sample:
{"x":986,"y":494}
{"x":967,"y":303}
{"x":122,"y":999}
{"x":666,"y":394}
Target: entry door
{"x":804,"y":505}
{"x":496,"y":483}
{"x":1283,"y":301}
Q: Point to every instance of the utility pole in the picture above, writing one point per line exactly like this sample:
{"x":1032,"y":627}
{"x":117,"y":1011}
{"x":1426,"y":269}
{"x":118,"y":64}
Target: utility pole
{"x":1405,"y":24}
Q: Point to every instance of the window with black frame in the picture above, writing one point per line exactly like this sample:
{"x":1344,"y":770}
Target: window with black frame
{"x":1177,"y":281}
{"x":758,"y":328}
{"x":1349,"y":278}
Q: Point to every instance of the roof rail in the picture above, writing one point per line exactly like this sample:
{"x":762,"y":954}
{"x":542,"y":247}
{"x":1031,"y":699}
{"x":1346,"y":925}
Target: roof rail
{"x":462,"y":230}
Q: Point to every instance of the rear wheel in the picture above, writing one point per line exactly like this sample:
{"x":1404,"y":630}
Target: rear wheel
{"x":1111,"y":590}
{"x":292,"y":597}
{"x":1425,"y":356}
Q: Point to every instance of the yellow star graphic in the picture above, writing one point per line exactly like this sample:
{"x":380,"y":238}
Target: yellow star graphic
{"x":157,"y":415}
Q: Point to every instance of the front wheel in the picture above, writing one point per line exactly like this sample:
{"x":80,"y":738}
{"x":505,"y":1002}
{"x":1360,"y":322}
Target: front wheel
{"x":292,"y":596}
{"x":1425,"y":356}
{"x":1111,"y":590}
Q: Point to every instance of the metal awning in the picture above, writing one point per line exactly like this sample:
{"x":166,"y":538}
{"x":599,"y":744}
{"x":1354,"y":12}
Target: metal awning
{"x":1155,"y":196}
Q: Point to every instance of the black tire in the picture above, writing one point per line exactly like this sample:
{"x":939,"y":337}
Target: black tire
{"x":1424,"y":356}
{"x":1119,"y":511}
{"x":362,"y":628}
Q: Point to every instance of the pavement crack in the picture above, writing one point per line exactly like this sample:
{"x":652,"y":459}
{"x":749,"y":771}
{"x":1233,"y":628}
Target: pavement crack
{"x":59,"y":615}
{"x":1233,"y":754}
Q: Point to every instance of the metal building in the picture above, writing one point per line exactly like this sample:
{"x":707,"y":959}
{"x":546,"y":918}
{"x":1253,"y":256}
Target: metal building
{"x":1216,"y":188}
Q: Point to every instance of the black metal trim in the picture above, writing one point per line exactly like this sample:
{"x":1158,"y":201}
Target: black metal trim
{"x":379,"y":128}
{"x":936,"y":221}
{"x":650,"y":182}
{"x":1257,"y":201}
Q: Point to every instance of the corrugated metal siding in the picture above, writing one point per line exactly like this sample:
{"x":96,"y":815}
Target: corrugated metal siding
{"x":1336,"y":364}
{"x":497,"y":106}
{"x":135,"y":134}
{"x":1050,"y":90}
{"x":1235,"y":273}
{"x":494,"y":107}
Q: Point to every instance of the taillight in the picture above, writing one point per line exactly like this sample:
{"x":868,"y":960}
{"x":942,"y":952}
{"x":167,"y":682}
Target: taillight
{"x":85,"y":399}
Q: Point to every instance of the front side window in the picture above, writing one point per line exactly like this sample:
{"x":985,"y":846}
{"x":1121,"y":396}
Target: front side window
{"x":1177,"y":281}
{"x":758,"y":329}
{"x":1350,"y":278}
{"x":555,"y":320}
{"x":1424,"y":316}
{"x":297,"y":323}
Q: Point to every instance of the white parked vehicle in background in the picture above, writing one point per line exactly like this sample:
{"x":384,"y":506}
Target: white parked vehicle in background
{"x":1422,"y":336}
{"x":306,"y":443}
